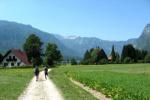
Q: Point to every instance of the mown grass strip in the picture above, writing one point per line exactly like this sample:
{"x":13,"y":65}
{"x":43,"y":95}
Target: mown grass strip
{"x":13,"y":82}
{"x":69,"y":90}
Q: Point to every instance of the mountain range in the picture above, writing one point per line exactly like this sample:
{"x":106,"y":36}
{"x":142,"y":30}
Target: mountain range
{"x":13,"y":35}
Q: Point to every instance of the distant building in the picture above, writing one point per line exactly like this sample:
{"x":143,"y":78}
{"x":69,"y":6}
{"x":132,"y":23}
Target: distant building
{"x":15,"y":57}
{"x":110,"y":58}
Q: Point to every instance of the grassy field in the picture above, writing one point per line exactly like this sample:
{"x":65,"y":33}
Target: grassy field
{"x":121,"y":82}
{"x":69,"y":90}
{"x":13,"y":82}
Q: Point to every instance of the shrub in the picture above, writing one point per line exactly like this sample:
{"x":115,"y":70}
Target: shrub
{"x":128,"y":60}
{"x":85,"y":62}
{"x":103,"y":61}
{"x":147,"y":58}
{"x":140,"y":61}
{"x":73,"y":62}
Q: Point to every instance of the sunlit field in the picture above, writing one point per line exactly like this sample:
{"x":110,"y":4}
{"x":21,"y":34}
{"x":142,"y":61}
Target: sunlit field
{"x":120,"y":81}
{"x":13,"y":82}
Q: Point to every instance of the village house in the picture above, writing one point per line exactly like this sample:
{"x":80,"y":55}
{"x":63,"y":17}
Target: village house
{"x":110,"y":58}
{"x":15,"y":57}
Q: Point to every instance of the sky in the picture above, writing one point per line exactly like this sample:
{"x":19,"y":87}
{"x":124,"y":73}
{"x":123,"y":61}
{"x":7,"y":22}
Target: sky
{"x":105,"y":19}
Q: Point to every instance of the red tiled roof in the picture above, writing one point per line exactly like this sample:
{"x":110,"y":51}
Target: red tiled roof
{"x":21,"y":55}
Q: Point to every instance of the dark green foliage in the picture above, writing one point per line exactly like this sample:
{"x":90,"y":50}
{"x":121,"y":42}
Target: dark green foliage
{"x":117,"y":58}
{"x":73,"y":61}
{"x":113,"y":54}
{"x":37,"y":61}
{"x":95,"y":56}
{"x":128,"y":51}
{"x":32,"y":47}
{"x":130,"y":54}
{"x":102,"y":54}
{"x":103,"y":61}
{"x":147,"y":58}
{"x":128,"y":60}
{"x":91,"y":50}
{"x":1,"y":58}
{"x":48,"y":61}
{"x":140,"y":54}
{"x":52,"y":54}
{"x":87,"y":55}
{"x":85,"y":62}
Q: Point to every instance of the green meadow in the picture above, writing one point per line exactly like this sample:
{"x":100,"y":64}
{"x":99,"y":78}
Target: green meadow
{"x":118,"y":81}
{"x":13,"y":82}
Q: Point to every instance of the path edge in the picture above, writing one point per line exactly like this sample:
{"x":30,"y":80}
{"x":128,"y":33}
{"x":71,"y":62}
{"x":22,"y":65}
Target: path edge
{"x":95,"y":93}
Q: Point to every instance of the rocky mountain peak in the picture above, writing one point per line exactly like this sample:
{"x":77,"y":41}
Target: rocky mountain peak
{"x":147,"y":30}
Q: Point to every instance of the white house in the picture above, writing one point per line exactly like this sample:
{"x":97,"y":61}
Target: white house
{"x":15,"y":57}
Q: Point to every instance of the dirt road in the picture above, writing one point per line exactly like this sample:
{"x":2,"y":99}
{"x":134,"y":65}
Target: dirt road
{"x":41,"y":90}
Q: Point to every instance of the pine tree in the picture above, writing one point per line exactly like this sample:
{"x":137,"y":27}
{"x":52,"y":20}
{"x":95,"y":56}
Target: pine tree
{"x":87,"y":55}
{"x":130,"y":52}
{"x":113,"y":54}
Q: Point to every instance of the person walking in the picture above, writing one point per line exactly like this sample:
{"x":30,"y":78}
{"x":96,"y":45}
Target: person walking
{"x":36,"y":72}
{"x":46,"y":72}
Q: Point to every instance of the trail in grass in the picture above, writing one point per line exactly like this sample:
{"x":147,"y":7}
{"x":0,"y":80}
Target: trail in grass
{"x":41,"y":90}
{"x":95,"y":93}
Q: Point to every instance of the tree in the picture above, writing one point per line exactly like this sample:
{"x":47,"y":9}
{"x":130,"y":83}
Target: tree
{"x":113,"y":54}
{"x":94,"y":56}
{"x":128,"y":60}
{"x":73,"y":61}
{"x":97,"y":55}
{"x":87,"y":58}
{"x":1,"y":58}
{"x":52,"y":54}
{"x":117,"y":57}
{"x":143,"y":54}
{"x":140,"y":55}
{"x":147,"y":58}
{"x":33,"y":48}
{"x":103,"y":61}
{"x":128,"y":51}
{"x":87,"y":55}
{"x":102,"y":54}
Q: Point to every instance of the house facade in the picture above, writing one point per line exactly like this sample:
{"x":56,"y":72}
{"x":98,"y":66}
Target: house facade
{"x":15,"y":57}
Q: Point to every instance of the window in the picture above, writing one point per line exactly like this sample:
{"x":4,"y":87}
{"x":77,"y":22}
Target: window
{"x":12,"y":64}
{"x":9,"y":57}
{"x":14,"y":58}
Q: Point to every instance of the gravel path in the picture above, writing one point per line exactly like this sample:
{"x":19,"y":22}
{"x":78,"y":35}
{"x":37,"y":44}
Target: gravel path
{"x":41,"y":90}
